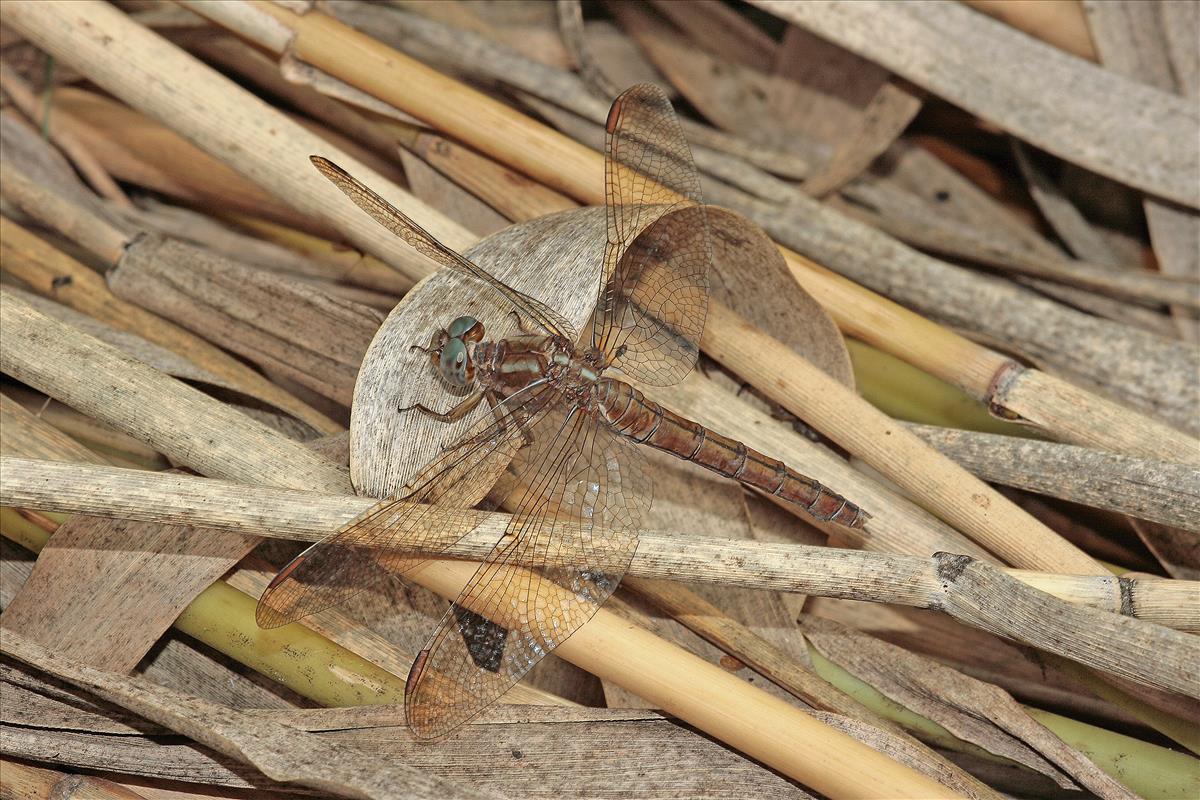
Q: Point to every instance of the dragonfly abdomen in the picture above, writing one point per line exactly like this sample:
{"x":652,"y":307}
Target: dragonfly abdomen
{"x":632,"y":415}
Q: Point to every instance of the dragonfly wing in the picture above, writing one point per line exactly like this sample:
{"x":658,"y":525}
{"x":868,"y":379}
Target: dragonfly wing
{"x":653,"y":295}
{"x":397,"y":534}
{"x":579,"y":493}
{"x":424,"y":243}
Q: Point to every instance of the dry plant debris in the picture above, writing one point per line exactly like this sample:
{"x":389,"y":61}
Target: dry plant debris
{"x":976,"y":317}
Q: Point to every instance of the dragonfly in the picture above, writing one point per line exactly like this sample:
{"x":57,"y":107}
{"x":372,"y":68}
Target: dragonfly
{"x":560,"y":448}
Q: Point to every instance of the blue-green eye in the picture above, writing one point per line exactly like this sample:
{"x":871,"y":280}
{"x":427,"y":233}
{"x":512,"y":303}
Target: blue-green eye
{"x":455,"y":363}
{"x":466,"y":328}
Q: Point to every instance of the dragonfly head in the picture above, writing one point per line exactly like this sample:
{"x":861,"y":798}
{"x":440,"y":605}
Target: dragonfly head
{"x":451,"y":351}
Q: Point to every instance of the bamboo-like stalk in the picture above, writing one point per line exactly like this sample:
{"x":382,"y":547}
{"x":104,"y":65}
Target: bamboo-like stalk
{"x":117,"y":448}
{"x":26,"y":435}
{"x":155,"y":76}
{"x":201,"y":433}
{"x":1180,"y":727}
{"x":1148,"y":769}
{"x":1155,"y":490}
{"x":339,"y":667}
{"x":897,"y":524}
{"x":263,"y":72}
{"x":167,"y":164}
{"x":60,"y":213}
{"x":754,"y":722}
{"x":253,"y":575}
{"x":1060,"y":24}
{"x":223,"y":618}
{"x":174,"y":418}
{"x":283,"y":753}
{"x":968,"y":503}
{"x":350,"y":265}
{"x":763,"y":657}
{"x":24,"y":781}
{"x":874,"y":257}
{"x":331,"y":670}
{"x":574,"y":169}
{"x":905,"y":392}
{"x":61,"y":134}
{"x":823,"y":571}
{"x":1051,"y":404}
{"x":1138,"y":285}
{"x":1125,"y":758}
{"x":53,"y":274}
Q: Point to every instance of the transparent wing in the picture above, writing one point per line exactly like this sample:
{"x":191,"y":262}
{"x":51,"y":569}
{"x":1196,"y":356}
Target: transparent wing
{"x":653,"y":294}
{"x":579,"y":494}
{"x":397,"y":534}
{"x":423,"y":242}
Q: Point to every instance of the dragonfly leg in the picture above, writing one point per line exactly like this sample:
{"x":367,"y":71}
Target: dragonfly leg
{"x":494,"y":401}
{"x":521,"y":324}
{"x":457,"y":412}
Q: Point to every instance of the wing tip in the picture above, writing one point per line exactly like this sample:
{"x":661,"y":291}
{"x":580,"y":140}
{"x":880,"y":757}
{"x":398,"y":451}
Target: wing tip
{"x":268,"y":618}
{"x":425,"y":727}
{"x":614,"y":114}
{"x":327,"y":167}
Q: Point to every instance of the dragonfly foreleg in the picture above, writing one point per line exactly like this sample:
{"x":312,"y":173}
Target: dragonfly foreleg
{"x":450,"y":415}
{"x":528,"y":330}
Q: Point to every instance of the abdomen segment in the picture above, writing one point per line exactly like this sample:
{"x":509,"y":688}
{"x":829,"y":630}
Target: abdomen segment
{"x":646,"y":422}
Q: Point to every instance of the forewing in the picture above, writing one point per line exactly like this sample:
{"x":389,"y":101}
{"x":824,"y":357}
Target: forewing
{"x":579,"y":495}
{"x":423,"y":242}
{"x":653,"y":295}
{"x":397,"y":534}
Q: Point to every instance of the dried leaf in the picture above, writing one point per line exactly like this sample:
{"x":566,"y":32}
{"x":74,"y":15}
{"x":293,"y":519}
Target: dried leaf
{"x":972,"y":710}
{"x":279,"y":751}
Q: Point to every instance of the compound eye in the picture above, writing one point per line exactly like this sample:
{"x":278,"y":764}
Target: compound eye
{"x":455,"y":363}
{"x":466,"y":328}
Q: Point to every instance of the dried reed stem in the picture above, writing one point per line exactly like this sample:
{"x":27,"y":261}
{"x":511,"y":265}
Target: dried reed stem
{"x":329,"y":659}
{"x":576,"y":170}
{"x":204,"y":434}
{"x":822,"y":571}
{"x":55,"y":275}
{"x":282,"y":753}
{"x":61,"y":133}
{"x":757,"y":723}
{"x":1160,"y":491}
{"x":188,"y":426}
{"x":32,"y":782}
{"x":966,"y":502}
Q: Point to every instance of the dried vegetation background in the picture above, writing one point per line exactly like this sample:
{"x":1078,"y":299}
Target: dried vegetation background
{"x":981,"y":324}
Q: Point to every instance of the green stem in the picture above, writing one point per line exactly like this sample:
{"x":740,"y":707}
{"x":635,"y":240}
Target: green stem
{"x":904,"y":392}
{"x":223,"y":618}
{"x":1150,"y":771}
